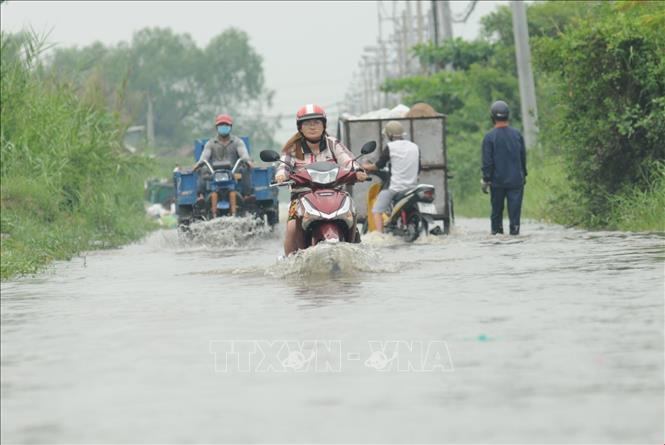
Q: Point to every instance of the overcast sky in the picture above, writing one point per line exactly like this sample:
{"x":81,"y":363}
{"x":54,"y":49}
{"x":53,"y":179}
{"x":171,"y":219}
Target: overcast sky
{"x":310,"y":48}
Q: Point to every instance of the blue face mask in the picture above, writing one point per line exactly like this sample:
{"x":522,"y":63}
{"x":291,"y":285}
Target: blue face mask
{"x":224,"y":130}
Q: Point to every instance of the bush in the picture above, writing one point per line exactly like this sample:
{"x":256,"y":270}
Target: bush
{"x":642,"y":209}
{"x":67,"y":183}
{"x":612,"y":108}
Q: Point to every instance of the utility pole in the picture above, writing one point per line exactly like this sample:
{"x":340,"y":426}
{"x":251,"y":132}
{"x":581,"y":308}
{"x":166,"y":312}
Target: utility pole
{"x":525,"y":74}
{"x":150,"y":123}
{"x":421,"y":27}
{"x":404,"y":43}
{"x":435,"y":22}
{"x":446,"y":25}
{"x":409,"y":38}
{"x":446,"y":20}
{"x":367,"y":99}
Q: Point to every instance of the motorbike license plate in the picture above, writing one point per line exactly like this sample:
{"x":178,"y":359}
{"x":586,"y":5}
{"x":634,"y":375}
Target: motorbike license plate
{"x":427,"y":207}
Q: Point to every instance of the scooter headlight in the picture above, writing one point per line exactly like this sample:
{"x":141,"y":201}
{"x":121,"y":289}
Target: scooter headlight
{"x":323,"y":178}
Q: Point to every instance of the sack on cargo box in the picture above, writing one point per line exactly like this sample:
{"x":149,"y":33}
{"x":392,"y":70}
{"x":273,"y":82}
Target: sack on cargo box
{"x":422,"y":109}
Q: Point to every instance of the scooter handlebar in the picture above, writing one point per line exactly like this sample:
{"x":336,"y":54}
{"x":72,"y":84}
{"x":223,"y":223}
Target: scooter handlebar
{"x":281,"y":184}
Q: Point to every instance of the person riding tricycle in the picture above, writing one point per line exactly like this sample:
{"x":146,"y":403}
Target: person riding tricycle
{"x":224,"y":181}
{"x":223,"y":156}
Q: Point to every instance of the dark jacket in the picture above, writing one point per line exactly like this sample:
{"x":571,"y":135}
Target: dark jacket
{"x":504,"y":158}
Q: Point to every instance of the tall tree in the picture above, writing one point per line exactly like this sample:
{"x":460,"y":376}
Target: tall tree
{"x":163,"y":80}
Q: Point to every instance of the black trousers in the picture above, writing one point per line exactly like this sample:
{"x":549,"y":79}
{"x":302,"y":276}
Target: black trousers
{"x":513,"y":196}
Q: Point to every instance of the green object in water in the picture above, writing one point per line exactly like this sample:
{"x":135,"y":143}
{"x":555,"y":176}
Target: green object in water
{"x":483,"y":337}
{"x":169,"y":221}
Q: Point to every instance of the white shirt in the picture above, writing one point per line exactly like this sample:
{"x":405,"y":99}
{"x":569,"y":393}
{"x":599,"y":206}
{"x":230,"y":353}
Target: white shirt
{"x":404,"y":161}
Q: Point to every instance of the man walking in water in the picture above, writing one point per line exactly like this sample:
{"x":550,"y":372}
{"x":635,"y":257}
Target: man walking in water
{"x":504,"y":169}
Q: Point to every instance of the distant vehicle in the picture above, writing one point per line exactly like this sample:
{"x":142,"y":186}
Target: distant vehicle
{"x":430,"y":135}
{"x":261,"y":200}
{"x":412,"y":210}
{"x":159,"y":191}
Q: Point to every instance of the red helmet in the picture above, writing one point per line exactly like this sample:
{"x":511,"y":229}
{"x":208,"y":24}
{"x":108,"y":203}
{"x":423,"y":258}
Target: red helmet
{"x":309,"y":112}
{"x":223,"y":119}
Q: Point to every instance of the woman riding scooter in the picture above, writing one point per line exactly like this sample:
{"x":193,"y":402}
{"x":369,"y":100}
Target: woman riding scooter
{"x":309,"y":145}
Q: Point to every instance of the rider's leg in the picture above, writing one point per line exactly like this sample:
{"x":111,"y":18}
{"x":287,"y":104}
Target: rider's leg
{"x":200,"y":189}
{"x":213,"y":203}
{"x":233,"y":202}
{"x":246,"y":181}
{"x":300,"y":236}
{"x":294,"y":238}
{"x":378,"y":221}
{"x":290,"y":242}
{"x":381,"y":206}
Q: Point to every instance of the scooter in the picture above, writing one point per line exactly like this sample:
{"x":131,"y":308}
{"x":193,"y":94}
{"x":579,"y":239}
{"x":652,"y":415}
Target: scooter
{"x":324,"y":210}
{"x":412,"y":210}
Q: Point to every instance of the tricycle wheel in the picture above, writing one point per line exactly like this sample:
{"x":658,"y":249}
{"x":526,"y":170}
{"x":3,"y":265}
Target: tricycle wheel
{"x":272,"y":217}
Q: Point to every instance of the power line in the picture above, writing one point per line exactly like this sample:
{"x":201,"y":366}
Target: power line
{"x":466,"y":14}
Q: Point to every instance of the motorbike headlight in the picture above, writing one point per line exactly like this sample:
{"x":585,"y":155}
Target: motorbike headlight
{"x":221,"y":176}
{"x":320,"y":177}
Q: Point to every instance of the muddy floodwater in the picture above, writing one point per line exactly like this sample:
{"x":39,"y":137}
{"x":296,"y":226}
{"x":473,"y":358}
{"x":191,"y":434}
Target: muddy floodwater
{"x":552,"y":336}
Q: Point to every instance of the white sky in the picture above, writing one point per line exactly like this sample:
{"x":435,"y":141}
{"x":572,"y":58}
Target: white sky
{"x":310,"y":48}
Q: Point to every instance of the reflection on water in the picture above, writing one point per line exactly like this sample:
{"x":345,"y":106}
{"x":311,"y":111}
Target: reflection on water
{"x":556,"y":336}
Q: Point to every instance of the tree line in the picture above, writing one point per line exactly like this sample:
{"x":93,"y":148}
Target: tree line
{"x":600,"y":82}
{"x":163,"y":81}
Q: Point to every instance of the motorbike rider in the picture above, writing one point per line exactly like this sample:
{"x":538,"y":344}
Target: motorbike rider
{"x":504,"y":169}
{"x":310,"y":144}
{"x":404,"y":157}
{"x":226,"y":148}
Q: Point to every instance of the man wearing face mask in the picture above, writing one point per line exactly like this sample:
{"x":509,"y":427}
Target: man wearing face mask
{"x":226,"y":148}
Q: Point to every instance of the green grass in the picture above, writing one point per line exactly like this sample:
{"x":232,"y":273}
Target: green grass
{"x":545,"y":179}
{"x":642,"y":210}
{"x":67,"y":184}
{"x":163,"y":165}
{"x":548,"y":196}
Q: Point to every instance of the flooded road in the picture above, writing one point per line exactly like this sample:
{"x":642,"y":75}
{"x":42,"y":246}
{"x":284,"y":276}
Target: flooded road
{"x":553,"y":336}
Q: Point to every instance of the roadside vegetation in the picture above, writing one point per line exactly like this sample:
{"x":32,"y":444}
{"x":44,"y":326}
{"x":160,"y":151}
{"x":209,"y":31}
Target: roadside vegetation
{"x":83,"y":129}
{"x":600,"y":80}
{"x":67,"y":183}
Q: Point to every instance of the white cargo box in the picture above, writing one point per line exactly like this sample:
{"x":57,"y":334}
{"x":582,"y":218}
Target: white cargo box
{"x":429,"y":133}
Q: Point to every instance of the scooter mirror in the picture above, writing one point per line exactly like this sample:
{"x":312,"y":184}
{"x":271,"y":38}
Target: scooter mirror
{"x":368,"y":147}
{"x":269,"y":156}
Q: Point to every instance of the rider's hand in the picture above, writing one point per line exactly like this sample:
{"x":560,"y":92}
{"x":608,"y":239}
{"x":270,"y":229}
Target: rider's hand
{"x":361,"y":176}
{"x":367,"y":166}
{"x":238,"y":176}
{"x":484,"y":186}
{"x":280,"y":178}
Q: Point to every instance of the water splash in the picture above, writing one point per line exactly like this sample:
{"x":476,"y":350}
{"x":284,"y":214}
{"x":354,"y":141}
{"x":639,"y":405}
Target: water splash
{"x":227,"y":231}
{"x":330,"y":260}
{"x":377,"y":239}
